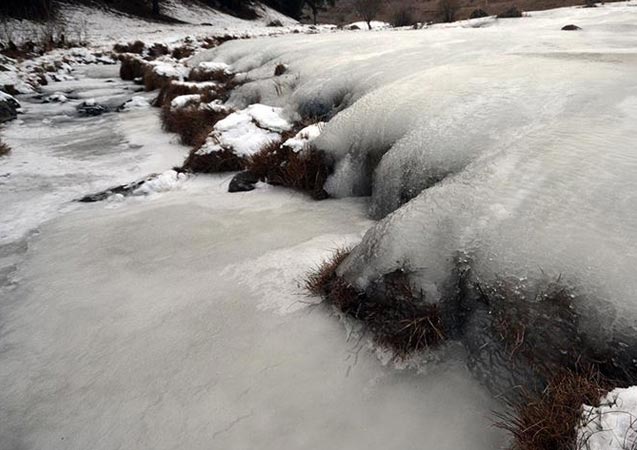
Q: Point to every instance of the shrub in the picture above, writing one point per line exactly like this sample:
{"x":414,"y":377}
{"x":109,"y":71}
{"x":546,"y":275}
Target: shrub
{"x":547,"y":419}
{"x":28,"y":9}
{"x":4,"y":149}
{"x":510,"y":13}
{"x":403,"y":17}
{"x":131,"y":67}
{"x":403,"y":322}
{"x":447,"y":10}
{"x":478,"y":13}
{"x":193,"y":124}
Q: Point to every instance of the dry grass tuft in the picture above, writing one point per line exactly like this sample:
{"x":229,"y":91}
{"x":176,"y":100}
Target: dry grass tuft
{"x":131,"y":67}
{"x":403,"y":322}
{"x":4,"y":149}
{"x":192,"y":124}
{"x":548,"y":419}
{"x":136,"y":47}
{"x":182,"y":52}
{"x":215,"y":162}
{"x":174,"y":89}
{"x":305,"y":171}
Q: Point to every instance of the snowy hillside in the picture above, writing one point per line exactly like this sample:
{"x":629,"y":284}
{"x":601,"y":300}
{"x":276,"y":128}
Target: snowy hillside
{"x":103,"y":27}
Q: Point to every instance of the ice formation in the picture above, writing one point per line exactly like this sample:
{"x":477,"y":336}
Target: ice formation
{"x":499,"y":148}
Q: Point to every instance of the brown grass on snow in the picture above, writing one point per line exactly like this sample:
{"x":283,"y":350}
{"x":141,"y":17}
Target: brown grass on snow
{"x":174,"y":89}
{"x":305,"y":171}
{"x":221,"y":161}
{"x":192,"y":124}
{"x":202,"y":74}
{"x":136,"y":47}
{"x":404,"y":322}
{"x":131,"y":67}
{"x":548,"y":419}
{"x":4,"y":149}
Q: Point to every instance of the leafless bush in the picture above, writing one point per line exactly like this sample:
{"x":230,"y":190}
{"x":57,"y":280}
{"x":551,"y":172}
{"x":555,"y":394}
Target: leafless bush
{"x":447,"y":10}
{"x":368,"y":10}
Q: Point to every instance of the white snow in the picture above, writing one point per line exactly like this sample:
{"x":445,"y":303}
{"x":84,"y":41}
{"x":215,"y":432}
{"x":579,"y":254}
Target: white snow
{"x":304,"y":137}
{"x":170,"y":69}
{"x":375,"y":24}
{"x":164,"y":182}
{"x":247,"y":131}
{"x":612,"y":425}
{"x":137,"y":102}
{"x":182,"y":101}
{"x":214,"y":66}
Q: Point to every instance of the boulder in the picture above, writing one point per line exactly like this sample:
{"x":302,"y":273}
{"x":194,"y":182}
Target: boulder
{"x":90,"y":108}
{"x":570,"y":27}
{"x":242,"y":182}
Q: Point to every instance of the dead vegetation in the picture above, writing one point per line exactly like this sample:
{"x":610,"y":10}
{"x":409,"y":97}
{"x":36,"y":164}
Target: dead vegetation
{"x":304,"y":171}
{"x":220,"y":161}
{"x":131,"y":67}
{"x":136,"y":47}
{"x":175,"y":89}
{"x":193,"y":123}
{"x":548,"y":419}
{"x":4,"y":149}
{"x":403,"y":322}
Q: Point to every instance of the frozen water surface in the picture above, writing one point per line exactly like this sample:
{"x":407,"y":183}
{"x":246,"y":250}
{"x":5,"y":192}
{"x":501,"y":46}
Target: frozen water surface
{"x":178,"y":322}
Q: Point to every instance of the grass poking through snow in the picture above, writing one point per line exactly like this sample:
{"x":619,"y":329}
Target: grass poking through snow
{"x":4,"y":149}
{"x":548,"y":419}
{"x":402,"y":322}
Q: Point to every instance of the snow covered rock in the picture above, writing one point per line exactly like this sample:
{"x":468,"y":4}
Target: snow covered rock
{"x":8,"y":107}
{"x":91,"y":108}
{"x":137,"y":102}
{"x":245,"y":132}
{"x":612,"y":425}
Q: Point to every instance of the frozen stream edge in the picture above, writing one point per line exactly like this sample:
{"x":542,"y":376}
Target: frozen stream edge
{"x":176,"y":321}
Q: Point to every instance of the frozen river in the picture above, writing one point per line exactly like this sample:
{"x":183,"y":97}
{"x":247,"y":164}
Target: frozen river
{"x":176,"y":320}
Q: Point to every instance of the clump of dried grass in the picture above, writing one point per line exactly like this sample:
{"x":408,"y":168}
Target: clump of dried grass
{"x":403,"y":322}
{"x":193,"y":124}
{"x":4,"y":149}
{"x":548,"y":419}
{"x":305,"y":171}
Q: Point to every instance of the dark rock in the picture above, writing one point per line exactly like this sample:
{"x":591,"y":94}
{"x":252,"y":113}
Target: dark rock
{"x":280,"y":69}
{"x":510,"y":13}
{"x":123,"y":189}
{"x":478,"y":13}
{"x":8,"y":107}
{"x":243,"y":182}
{"x":275,"y":23}
{"x":91,"y":109}
{"x":570,"y":27}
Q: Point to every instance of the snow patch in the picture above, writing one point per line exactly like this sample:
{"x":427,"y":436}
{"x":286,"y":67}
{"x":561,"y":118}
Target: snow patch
{"x":612,"y":425}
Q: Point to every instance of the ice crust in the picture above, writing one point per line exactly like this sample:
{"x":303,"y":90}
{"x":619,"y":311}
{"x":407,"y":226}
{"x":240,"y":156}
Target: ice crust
{"x":508,"y":144}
